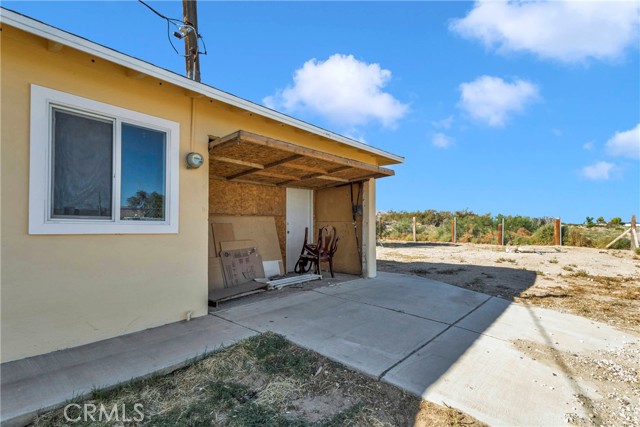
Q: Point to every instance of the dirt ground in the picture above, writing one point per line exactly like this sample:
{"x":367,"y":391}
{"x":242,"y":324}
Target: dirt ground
{"x":596,"y":284}
{"x":593,"y":283}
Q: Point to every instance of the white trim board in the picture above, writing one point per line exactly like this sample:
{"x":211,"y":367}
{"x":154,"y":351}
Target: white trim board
{"x":56,"y":35}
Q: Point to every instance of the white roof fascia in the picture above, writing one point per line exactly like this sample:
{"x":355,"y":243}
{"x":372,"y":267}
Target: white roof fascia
{"x":58,"y":36}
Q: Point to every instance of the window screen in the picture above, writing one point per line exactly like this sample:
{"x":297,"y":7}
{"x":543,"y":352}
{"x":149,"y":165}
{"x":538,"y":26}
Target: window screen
{"x":82,"y":166}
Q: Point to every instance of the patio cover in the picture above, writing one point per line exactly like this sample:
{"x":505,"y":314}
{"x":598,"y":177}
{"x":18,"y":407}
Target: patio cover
{"x":248,"y":157}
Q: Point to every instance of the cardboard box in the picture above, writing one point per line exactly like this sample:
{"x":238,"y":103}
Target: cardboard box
{"x":241,"y":266}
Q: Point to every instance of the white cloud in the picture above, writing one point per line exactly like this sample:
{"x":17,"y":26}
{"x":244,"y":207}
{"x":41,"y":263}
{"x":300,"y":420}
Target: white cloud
{"x":491,"y":99}
{"x":343,"y":89}
{"x":598,"y":171}
{"x":589,"y":146}
{"x":444,"y":123}
{"x":441,"y":140}
{"x":564,"y":30}
{"x":625,"y":144}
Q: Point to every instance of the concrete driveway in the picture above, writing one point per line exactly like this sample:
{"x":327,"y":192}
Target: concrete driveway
{"x":444,"y":343}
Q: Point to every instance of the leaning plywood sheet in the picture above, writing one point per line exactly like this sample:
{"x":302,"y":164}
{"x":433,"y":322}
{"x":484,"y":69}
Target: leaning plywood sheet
{"x":238,"y":244}
{"x":216,"y":278}
{"x":212,"y":246}
{"x":260,"y":229}
{"x":241,"y":266}
{"x":222,"y":232}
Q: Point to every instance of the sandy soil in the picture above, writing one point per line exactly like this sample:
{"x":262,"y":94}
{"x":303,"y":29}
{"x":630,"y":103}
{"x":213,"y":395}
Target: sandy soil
{"x":597,"y":284}
{"x":600,"y":285}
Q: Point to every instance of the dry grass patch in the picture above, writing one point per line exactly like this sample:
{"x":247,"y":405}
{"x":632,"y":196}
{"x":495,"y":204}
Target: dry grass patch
{"x":610,"y":299}
{"x":267,"y":381}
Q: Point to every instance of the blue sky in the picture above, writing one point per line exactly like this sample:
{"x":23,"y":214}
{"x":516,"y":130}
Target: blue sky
{"x":513,"y":108}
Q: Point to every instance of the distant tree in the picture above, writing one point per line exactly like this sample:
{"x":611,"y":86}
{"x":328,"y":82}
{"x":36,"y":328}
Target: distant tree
{"x":148,"y":205}
{"x":600,"y":220}
{"x":616,"y":221}
{"x":589,"y":221}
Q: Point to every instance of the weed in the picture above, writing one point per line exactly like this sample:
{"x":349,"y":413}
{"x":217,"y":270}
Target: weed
{"x":276,"y":355}
{"x":511,"y":260}
{"x":580,"y":273}
{"x":567,"y":268}
{"x":553,"y":261}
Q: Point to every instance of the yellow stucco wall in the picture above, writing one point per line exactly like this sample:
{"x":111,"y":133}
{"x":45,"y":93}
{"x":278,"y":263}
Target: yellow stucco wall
{"x":63,"y":291}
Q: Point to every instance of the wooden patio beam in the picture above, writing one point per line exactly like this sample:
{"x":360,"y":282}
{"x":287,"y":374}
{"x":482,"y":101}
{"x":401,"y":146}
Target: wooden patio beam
{"x":237,"y":162}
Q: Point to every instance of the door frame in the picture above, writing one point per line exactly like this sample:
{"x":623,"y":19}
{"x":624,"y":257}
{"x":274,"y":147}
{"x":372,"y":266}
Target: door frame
{"x":310,"y":222}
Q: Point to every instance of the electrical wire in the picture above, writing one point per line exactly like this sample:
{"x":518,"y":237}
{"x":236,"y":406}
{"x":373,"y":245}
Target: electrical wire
{"x":180,"y":25}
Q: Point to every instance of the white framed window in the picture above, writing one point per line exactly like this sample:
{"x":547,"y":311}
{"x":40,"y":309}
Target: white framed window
{"x":100,"y":169}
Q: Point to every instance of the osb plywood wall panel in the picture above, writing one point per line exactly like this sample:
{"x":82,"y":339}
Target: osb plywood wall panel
{"x":333,"y":207}
{"x":241,"y":199}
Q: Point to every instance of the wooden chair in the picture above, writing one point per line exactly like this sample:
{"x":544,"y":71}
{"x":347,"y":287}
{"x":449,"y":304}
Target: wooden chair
{"x":313,"y":254}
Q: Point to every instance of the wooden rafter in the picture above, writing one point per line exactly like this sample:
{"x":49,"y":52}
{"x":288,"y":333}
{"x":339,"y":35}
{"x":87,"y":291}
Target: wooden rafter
{"x":301,"y":166}
{"x":237,"y":162}
{"x":267,"y":166}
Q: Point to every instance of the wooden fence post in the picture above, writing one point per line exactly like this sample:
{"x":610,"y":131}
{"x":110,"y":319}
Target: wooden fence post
{"x":414,"y":228}
{"x":500,"y":239}
{"x":454,"y":236}
{"x":556,"y":232}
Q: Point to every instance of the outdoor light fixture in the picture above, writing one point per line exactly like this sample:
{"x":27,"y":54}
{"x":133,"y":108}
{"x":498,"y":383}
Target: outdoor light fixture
{"x":194,"y":160}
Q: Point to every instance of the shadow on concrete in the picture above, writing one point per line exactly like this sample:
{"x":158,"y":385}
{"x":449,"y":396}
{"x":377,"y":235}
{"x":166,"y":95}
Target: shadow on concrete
{"x":503,"y":282}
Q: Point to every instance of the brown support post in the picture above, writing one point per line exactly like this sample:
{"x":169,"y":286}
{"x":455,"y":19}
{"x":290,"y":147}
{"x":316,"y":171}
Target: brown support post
{"x":500,"y":234}
{"x":556,"y":232}
{"x":189,"y":10}
{"x":633,"y":222}
{"x":414,"y":228}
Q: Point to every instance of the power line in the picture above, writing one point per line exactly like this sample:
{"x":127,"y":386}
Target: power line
{"x":183,"y":29}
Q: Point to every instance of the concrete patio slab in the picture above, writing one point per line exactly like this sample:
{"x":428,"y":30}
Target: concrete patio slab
{"x":412,"y":295}
{"x":444,"y":343}
{"x":491,"y":380}
{"x":367,"y":338}
{"x":44,"y":382}
{"x":565,"y":332}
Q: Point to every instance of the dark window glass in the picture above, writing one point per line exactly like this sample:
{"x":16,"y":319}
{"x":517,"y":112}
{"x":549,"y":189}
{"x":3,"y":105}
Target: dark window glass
{"x":82,"y":166}
{"x":143,"y":191}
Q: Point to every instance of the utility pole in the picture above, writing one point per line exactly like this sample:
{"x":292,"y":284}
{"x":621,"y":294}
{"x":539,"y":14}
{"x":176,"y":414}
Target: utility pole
{"x":190,"y":12}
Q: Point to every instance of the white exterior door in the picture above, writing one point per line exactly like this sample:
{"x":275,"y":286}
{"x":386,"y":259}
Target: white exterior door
{"x":299,"y":216}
